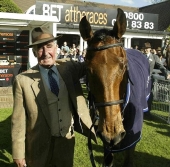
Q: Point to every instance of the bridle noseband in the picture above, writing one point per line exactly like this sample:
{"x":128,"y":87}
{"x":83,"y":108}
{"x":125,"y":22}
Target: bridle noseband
{"x":109,"y":103}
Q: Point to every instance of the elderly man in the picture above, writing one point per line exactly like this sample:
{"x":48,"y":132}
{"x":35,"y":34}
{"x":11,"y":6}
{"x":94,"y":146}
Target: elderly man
{"x":48,"y":107}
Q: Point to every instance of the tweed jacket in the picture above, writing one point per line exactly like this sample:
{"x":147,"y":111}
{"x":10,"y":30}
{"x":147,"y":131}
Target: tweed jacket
{"x":31,"y":135}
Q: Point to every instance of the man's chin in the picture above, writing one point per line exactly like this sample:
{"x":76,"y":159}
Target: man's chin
{"x":46,"y":65}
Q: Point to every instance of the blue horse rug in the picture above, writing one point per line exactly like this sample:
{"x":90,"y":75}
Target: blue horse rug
{"x":138,"y":90}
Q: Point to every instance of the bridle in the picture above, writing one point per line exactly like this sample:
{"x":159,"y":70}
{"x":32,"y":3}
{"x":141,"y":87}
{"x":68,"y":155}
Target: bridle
{"x":116,"y":102}
{"x":101,"y":104}
{"x":105,"y":47}
{"x":104,"y":104}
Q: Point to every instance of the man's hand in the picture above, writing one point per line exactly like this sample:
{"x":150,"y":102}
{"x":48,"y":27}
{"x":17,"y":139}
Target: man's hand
{"x":20,"y":162}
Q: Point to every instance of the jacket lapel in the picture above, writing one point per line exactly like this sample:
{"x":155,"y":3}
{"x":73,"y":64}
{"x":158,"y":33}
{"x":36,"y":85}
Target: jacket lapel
{"x":39,"y":91}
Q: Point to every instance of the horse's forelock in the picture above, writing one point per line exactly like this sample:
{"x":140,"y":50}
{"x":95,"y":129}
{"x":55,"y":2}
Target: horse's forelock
{"x":101,"y":34}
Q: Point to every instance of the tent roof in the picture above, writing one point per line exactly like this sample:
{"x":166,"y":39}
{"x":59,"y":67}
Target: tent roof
{"x":25,"y":20}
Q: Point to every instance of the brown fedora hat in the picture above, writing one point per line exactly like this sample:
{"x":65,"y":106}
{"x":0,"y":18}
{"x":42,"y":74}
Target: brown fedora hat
{"x":147,"y":45}
{"x":41,"y":35}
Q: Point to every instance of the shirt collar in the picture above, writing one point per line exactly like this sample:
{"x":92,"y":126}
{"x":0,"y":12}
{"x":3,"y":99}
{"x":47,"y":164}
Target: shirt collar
{"x":45,"y":70}
{"x":148,"y":55}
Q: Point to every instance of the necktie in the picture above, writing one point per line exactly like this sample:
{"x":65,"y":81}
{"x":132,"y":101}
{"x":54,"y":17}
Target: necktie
{"x":53,"y":83}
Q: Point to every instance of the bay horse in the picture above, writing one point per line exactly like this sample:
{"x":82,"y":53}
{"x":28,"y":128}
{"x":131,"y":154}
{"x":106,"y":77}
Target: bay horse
{"x":119,"y":83}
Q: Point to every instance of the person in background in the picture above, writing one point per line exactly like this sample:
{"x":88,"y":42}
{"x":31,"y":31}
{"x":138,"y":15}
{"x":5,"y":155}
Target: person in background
{"x":142,"y":50}
{"x":153,"y":51}
{"x":154,"y":61}
{"x":70,"y":55}
{"x":57,"y":50}
{"x":73,"y":48}
{"x":61,"y":54}
{"x":164,"y":47}
{"x":167,"y":57}
{"x":81,"y":56}
{"x":65,"y":48}
{"x":75,"y":56}
{"x":162,"y":60}
{"x":136,"y":47}
{"x":49,"y":106}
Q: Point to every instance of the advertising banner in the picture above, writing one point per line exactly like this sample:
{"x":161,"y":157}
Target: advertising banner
{"x":72,"y":14}
{"x":13,"y":54}
{"x":7,"y":74}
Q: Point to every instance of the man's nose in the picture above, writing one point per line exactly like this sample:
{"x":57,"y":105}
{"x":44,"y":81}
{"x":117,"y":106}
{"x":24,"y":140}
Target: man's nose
{"x":45,"y":50}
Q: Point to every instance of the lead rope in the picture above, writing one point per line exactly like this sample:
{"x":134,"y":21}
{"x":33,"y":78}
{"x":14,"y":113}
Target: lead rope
{"x":92,"y":107}
{"x":89,"y":140}
{"x":90,"y":145}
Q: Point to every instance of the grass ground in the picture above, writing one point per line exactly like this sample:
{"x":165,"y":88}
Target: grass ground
{"x":152,"y":151}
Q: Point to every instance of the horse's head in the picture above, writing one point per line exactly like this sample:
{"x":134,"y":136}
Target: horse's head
{"x":106,"y":63}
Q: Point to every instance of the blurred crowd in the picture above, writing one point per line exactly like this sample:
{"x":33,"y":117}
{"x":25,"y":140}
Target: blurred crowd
{"x":73,"y":52}
{"x":163,"y":53}
{"x":159,"y":58}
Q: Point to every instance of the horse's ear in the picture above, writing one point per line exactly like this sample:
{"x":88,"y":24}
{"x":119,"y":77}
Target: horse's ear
{"x":120,"y":24}
{"x":85,"y":29}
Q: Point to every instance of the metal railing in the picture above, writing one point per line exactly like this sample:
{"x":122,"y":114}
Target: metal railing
{"x":161,"y":98}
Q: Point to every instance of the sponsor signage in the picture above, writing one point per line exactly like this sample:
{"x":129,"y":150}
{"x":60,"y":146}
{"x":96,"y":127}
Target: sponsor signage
{"x":70,"y":13}
{"x":13,"y":54}
{"x":7,"y":74}
{"x":12,"y":45}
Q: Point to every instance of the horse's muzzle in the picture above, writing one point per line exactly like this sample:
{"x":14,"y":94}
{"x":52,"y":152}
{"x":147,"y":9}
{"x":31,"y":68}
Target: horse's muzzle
{"x":114,"y":141}
{"x":118,"y":138}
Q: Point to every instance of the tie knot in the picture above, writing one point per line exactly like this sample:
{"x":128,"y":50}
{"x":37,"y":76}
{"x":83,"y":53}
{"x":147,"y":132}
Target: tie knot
{"x":50,"y":71}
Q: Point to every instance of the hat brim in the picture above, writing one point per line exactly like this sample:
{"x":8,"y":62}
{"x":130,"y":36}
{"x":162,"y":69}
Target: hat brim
{"x":158,"y":49}
{"x":146,"y":47}
{"x":43,"y":41}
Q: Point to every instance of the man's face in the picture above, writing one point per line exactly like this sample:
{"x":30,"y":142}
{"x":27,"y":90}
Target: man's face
{"x":46,"y":54}
{"x":147,"y":50}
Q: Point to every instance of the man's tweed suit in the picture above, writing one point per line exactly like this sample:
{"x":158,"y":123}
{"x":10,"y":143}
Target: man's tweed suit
{"x":31,"y":119}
